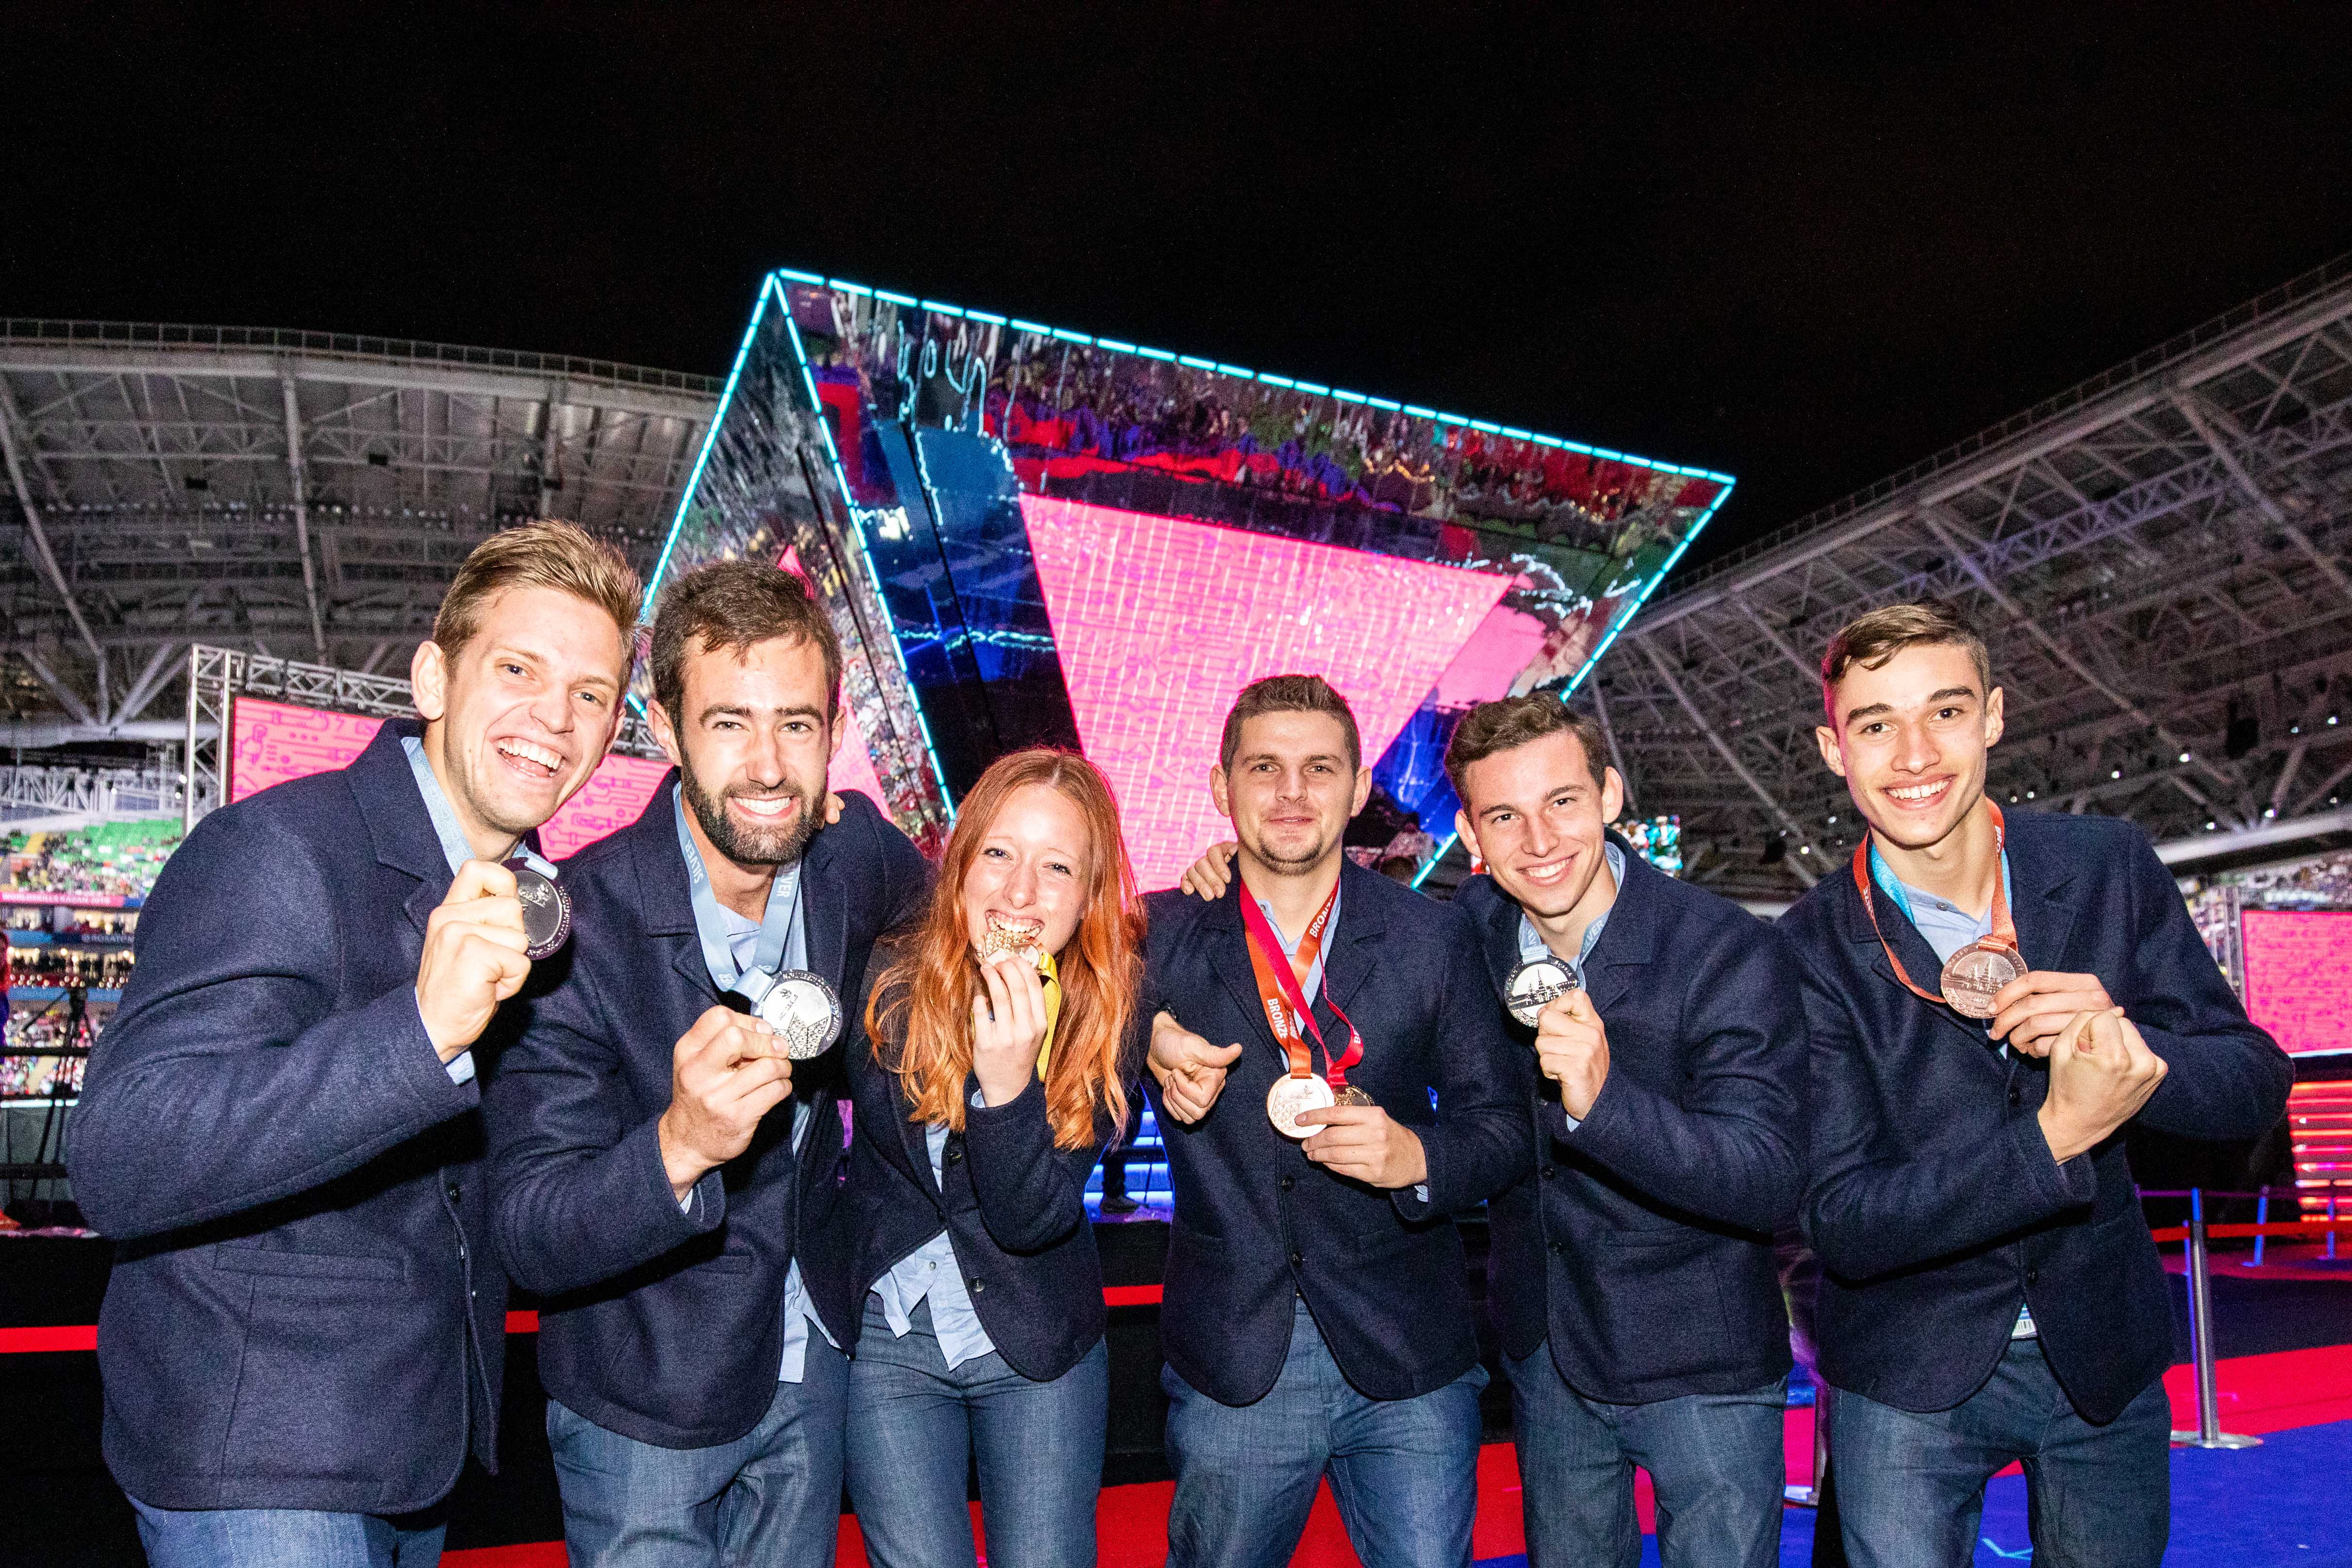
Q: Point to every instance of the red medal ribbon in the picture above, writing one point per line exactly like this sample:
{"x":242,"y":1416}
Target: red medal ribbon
{"x":1279,"y":991}
{"x":2004,"y":930}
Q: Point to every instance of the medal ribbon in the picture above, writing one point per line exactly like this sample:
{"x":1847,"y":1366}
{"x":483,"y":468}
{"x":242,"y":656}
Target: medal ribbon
{"x":2004,"y":930}
{"x":779,"y":925}
{"x":1285,"y":1001}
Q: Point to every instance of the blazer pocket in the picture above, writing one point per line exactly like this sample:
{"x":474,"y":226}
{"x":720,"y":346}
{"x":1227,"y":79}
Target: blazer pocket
{"x":305,"y":1265}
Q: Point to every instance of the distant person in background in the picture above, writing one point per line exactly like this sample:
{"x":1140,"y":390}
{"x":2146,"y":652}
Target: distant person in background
{"x":1993,"y":998}
{"x":1004,"y":1047}
{"x":663,"y":1157}
{"x":306,"y":1323}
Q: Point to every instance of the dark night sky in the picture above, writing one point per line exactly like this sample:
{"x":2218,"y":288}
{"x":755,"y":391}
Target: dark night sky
{"x":1805,"y":248}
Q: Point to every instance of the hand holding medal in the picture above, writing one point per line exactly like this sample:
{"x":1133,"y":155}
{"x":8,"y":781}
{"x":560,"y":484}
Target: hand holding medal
{"x":474,"y":957}
{"x":725,"y":1075}
{"x":2033,"y":1011}
{"x":1009,"y":1020}
{"x":1573,"y":1050}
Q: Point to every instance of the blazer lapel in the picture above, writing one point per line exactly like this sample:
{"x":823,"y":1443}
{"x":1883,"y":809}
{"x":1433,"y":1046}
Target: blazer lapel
{"x":1228,"y":952}
{"x":825,"y":904}
{"x":2045,"y":901}
{"x":1623,"y":951}
{"x":385,"y":786}
{"x":1920,"y":962}
{"x":1347,"y":961}
{"x":665,"y":899}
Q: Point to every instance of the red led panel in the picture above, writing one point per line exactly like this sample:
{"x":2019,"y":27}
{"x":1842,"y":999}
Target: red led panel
{"x":2299,"y":976}
{"x":1159,"y":622}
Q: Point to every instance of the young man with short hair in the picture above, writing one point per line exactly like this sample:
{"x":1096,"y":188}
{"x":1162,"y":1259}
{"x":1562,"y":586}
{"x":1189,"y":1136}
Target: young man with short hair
{"x":1334,"y":1082}
{"x":665,"y":1135}
{"x":1631,"y":1271}
{"x":1994,"y":997}
{"x":304,"y":1326}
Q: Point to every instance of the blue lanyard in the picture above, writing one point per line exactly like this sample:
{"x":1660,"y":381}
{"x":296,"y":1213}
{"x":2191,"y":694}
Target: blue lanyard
{"x":1883,"y":875}
{"x":777,"y":928}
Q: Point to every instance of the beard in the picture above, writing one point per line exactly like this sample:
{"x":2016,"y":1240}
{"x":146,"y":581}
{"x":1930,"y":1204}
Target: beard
{"x":745,"y":846}
{"x":1282,"y":865}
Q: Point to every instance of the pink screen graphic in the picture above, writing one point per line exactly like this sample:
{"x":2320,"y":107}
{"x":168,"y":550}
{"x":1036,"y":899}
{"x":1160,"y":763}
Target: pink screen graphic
{"x":1159,"y":622}
{"x":2299,"y":976}
{"x":270,"y":742}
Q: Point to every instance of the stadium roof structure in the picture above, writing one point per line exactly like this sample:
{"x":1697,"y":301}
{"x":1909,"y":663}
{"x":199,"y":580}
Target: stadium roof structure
{"x":303,"y":495}
{"x":2158,"y":559}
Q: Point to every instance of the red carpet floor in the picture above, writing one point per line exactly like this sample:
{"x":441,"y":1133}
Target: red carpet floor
{"x":2259,"y":1393}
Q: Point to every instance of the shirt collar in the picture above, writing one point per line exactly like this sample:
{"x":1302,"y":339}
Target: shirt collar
{"x":1531,"y":941}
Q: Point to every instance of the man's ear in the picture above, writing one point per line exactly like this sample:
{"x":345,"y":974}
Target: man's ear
{"x":1612,"y":795}
{"x":1363,"y":790}
{"x":1994,"y":723}
{"x":840,"y":728}
{"x":1832,"y":756}
{"x":1220,"y":791}
{"x":1469,"y":834}
{"x":429,"y":681}
{"x":664,"y":732}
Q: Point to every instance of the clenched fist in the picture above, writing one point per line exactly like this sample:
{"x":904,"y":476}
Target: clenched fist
{"x":726,"y":1072}
{"x":1191,"y":1071}
{"x":2101,"y":1073}
{"x":1572,"y":1048}
{"x":474,"y":957}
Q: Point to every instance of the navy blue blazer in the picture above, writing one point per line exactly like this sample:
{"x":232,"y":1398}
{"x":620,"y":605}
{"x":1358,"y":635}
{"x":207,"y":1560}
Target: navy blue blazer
{"x":302,"y":1313}
{"x":1640,"y":1243}
{"x":1013,"y":1206}
{"x":663,"y":1324}
{"x":1932,"y":1199}
{"x":1258,"y":1223}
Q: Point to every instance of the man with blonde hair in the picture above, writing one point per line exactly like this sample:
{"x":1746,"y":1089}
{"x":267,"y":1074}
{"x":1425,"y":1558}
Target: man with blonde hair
{"x":1993,"y":997}
{"x":304,"y":1331}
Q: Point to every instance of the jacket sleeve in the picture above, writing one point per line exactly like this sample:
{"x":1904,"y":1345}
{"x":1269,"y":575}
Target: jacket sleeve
{"x":1483,"y":1138}
{"x":576,"y":1195}
{"x":1872,"y":1208}
{"x":1730,"y":1146}
{"x":227,"y":1080}
{"x":2225,"y":1078}
{"x":1032,"y":1195}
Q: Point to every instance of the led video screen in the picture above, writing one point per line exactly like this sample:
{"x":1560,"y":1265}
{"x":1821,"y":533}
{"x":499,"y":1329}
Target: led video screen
{"x":1028,"y":535}
{"x":2299,"y":976}
{"x":270,"y":742}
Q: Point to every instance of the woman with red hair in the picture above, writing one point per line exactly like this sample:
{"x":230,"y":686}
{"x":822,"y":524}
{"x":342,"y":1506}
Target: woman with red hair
{"x":1004,"y":1046}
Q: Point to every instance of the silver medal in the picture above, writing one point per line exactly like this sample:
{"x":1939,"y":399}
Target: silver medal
{"x":803,"y":1012}
{"x":1537,"y":981}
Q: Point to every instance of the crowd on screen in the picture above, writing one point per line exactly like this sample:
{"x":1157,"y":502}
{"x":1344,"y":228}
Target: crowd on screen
{"x":331,"y":1126}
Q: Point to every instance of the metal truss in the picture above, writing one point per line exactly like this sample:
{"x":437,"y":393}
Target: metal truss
{"x":2156,"y":557}
{"x":216,"y":676}
{"x":96,"y":795}
{"x":280,"y":490}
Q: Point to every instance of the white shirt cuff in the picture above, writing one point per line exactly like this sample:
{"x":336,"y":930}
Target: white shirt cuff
{"x":461,"y":1068}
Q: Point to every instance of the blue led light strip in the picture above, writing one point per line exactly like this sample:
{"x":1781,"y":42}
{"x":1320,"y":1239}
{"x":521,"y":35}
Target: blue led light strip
{"x":1619,"y":625}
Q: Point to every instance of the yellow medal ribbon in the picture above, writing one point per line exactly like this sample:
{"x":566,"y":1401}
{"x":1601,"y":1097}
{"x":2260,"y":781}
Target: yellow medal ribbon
{"x":1053,"y":979}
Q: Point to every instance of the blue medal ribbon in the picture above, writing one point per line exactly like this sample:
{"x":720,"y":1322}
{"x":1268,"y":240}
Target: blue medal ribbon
{"x":780,"y":927}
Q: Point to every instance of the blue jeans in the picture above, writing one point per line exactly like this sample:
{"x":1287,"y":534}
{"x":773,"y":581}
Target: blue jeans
{"x":287,"y":1538}
{"x":1403,"y":1471}
{"x":773,"y":1495}
{"x":1911,"y":1487}
{"x":916,"y":1427}
{"x":1714,"y":1460}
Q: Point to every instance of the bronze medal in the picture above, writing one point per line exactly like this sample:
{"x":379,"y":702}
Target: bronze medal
{"x":1291,"y":1098}
{"x":1350,"y":1095}
{"x":1973,"y":975}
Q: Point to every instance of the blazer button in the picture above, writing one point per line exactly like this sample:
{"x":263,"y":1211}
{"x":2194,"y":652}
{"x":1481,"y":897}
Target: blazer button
{"x":2033,"y":1277}
{"x":1546,"y":1171}
{"x":954,"y":1153}
{"x":455,"y":1191}
{"x":1288,"y":1183}
{"x":978,"y":1286}
{"x":2015,"y":1094}
{"x":1297,"y":1260}
{"x":1558,"y":1248}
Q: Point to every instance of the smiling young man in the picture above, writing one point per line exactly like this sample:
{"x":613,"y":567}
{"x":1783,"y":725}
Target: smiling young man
{"x":1334,"y":1082}
{"x":663,"y":1166}
{"x":304,"y":1328}
{"x":1993,"y":997}
{"x":1631,"y":1270}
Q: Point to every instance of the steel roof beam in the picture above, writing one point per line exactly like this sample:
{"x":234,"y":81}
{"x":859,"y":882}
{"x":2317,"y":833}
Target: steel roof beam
{"x":1724,"y":748}
{"x":2202,"y":420}
{"x":301,"y":476}
{"x":12,"y":449}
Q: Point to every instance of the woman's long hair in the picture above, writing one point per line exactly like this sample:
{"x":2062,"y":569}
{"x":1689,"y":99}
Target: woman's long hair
{"x":923,"y":1000}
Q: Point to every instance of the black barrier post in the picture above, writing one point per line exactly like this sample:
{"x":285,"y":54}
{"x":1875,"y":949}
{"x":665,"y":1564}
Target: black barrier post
{"x":2208,"y":1432}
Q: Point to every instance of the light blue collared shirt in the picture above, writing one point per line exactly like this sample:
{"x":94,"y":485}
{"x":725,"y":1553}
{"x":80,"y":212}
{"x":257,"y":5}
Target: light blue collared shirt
{"x":1532,"y":945}
{"x":456,"y":851}
{"x":739,"y":942}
